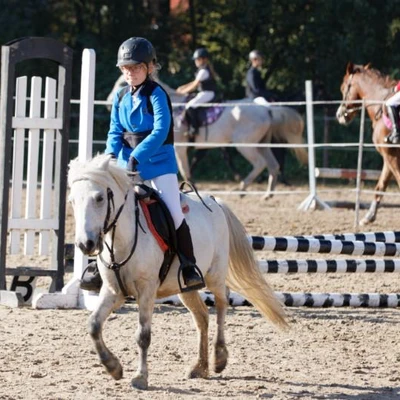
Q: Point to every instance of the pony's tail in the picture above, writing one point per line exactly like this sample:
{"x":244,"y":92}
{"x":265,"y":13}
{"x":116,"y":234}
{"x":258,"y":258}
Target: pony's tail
{"x":292,"y":133}
{"x":244,"y":275}
{"x":297,"y":138}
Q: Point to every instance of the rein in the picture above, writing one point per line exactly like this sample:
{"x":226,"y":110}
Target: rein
{"x":107,"y":227}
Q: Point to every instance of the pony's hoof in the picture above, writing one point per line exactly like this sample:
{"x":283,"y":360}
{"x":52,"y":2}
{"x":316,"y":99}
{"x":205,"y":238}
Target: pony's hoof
{"x":220,"y":359}
{"x":114,"y":368}
{"x":199,"y":370}
{"x":139,"y":381}
{"x":267,"y":196}
{"x":117,"y":372}
{"x":365,"y":221}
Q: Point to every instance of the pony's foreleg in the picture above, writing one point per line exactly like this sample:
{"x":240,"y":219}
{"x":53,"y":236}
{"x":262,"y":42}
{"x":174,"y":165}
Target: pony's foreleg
{"x":381,"y":186}
{"x":145,"y":300}
{"x":199,"y":311}
{"x":220,"y":350}
{"x":108,"y":301}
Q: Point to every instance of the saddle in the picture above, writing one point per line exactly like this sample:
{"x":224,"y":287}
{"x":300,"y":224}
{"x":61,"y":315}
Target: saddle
{"x":202,"y":116}
{"x":160,"y":224}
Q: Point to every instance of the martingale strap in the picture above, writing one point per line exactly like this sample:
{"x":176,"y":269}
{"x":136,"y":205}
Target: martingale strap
{"x":113,"y":265}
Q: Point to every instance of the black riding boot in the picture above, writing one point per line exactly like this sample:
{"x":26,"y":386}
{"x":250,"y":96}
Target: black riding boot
{"x":193,"y":121}
{"x":191,"y":274}
{"x":394,"y":136}
{"x":91,"y":279}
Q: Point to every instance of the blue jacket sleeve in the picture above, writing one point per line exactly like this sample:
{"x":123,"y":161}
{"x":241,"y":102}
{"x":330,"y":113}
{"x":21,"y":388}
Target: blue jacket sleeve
{"x":162,"y":120}
{"x":114,"y":137}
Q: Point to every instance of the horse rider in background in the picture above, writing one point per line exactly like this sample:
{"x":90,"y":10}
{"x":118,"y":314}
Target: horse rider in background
{"x":206,"y":86}
{"x":257,"y":91}
{"x":392,"y":106}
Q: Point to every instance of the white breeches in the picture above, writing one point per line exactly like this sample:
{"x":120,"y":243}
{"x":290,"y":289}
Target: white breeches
{"x":201,"y":97}
{"x":394,"y":100}
{"x":168,"y":188}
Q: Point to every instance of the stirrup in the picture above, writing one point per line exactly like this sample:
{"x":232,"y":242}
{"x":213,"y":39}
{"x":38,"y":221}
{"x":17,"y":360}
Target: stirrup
{"x":184,"y":288}
{"x":94,"y":282}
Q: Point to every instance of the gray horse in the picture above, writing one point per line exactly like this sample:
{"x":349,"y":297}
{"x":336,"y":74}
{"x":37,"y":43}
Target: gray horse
{"x":242,"y":122}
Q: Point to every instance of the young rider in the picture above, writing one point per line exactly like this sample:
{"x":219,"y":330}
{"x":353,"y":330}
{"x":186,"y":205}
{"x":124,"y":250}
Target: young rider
{"x":255,"y":84}
{"x":392,"y":106}
{"x":204,"y":82}
{"x":256,"y":90}
{"x":143,"y":141}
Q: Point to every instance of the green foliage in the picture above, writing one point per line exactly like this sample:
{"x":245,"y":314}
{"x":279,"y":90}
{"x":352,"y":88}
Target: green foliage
{"x":300,"y":40}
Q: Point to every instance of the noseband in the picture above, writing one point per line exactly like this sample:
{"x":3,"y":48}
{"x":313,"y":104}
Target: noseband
{"x":347,"y":111}
{"x":107,"y":227}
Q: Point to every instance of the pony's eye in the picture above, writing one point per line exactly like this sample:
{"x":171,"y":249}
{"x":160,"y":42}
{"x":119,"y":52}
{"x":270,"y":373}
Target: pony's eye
{"x":99,"y":198}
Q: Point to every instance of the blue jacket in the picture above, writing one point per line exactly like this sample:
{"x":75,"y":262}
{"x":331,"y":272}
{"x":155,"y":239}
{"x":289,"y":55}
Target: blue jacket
{"x":130,"y":114}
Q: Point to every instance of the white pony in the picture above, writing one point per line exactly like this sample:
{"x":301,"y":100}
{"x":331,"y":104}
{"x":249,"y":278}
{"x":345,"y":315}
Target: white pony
{"x":243,"y":122}
{"x":111,"y":224}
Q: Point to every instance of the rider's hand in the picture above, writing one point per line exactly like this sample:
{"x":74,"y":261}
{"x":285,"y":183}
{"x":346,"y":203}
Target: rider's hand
{"x":132,"y":163}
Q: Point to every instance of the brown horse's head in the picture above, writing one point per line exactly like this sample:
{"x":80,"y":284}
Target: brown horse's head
{"x":350,"y":92}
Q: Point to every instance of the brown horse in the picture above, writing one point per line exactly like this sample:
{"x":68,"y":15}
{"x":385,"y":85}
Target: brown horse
{"x":363,"y":82}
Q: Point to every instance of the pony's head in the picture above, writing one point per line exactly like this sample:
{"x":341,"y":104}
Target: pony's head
{"x":350,"y":92}
{"x":97,"y":187}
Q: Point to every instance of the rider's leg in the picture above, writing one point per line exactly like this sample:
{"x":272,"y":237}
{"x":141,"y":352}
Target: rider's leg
{"x":193,"y":120}
{"x":191,"y":107}
{"x":391,"y":104}
{"x":393,"y":113}
{"x":167,"y":186}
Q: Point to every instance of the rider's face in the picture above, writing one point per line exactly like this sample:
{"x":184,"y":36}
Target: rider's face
{"x":135,"y":74}
{"x":200,"y":61}
{"x":256,"y":62}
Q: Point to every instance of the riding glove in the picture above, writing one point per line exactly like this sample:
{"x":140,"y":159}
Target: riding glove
{"x":132,"y":163}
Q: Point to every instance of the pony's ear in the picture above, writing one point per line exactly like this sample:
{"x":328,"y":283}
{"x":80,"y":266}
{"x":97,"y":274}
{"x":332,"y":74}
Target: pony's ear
{"x":103,"y":161}
{"x":350,"y":67}
{"x":367,"y":66}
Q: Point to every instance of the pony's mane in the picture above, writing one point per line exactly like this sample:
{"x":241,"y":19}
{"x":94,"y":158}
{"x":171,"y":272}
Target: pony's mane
{"x":385,"y":80}
{"x":100,"y":170}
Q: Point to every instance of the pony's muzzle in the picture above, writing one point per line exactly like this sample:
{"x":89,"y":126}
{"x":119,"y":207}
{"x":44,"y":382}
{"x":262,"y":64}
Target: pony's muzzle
{"x":90,"y":247}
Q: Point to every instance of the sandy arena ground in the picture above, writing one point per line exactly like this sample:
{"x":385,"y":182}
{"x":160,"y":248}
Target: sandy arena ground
{"x":342,"y":353}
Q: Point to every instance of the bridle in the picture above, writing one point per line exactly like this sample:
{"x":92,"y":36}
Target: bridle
{"x":347,"y":110}
{"x":111,"y":226}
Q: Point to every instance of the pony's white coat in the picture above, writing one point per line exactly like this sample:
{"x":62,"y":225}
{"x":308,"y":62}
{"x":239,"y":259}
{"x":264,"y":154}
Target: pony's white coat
{"x":221,"y":248}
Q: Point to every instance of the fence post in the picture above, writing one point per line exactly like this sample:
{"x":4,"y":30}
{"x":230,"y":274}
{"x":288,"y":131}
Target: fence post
{"x":359,"y":168}
{"x":72,"y":296}
{"x":312,"y":201}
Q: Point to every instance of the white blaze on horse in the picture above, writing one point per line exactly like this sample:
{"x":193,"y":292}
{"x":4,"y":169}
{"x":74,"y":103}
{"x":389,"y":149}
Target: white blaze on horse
{"x":241,"y":122}
{"x":110,"y":223}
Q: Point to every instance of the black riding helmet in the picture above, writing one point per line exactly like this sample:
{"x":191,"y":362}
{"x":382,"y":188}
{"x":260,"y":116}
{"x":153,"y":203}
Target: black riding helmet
{"x":201,"y":53}
{"x":136,"y":50}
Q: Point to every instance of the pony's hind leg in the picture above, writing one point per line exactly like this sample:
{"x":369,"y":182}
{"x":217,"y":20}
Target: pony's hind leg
{"x":106,"y":304}
{"x":199,"y":311}
{"x":220,"y":351}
